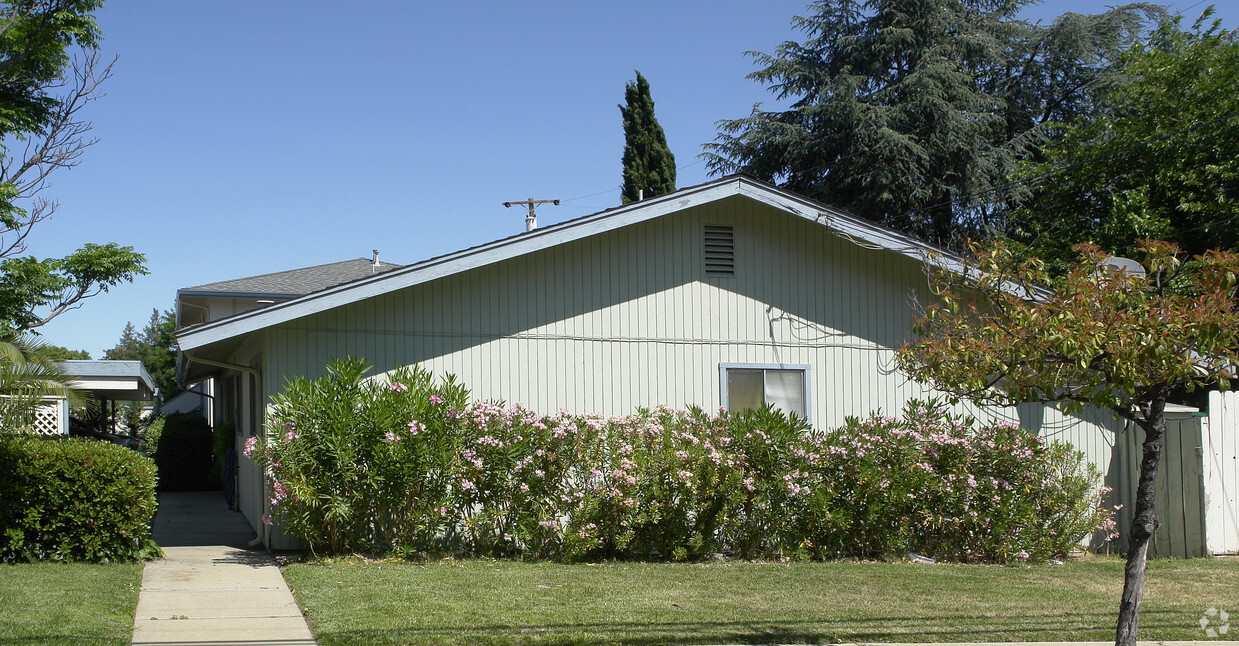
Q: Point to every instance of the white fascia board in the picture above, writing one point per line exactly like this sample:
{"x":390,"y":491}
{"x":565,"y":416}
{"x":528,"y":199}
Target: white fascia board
{"x":847,"y":226}
{"x":458,"y":262}
{"x":852,"y":228}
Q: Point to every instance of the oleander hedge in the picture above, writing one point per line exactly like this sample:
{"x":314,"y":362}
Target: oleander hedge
{"x":410,"y":466}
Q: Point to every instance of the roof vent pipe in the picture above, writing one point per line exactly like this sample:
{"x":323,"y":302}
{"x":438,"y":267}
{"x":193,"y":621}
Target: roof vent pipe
{"x":374,"y":264}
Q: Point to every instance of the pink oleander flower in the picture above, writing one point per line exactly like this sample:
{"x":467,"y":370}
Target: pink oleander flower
{"x":466,"y":485}
{"x":685,"y":475}
{"x":416,"y":427}
{"x":397,"y":387}
{"x":279,"y":490}
{"x":391,"y":438}
{"x":266,"y":519}
{"x":248,"y":451}
{"x":437,"y":399}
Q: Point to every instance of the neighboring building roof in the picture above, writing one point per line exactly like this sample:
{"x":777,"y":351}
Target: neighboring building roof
{"x":111,"y":379}
{"x":295,"y":282}
{"x":850,"y":227}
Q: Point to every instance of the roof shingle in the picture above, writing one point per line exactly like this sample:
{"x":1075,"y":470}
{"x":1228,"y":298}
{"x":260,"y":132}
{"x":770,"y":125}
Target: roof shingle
{"x":296,"y":282}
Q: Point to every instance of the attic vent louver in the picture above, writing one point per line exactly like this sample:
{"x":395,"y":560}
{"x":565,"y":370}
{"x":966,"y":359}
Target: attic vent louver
{"x":720,"y":251}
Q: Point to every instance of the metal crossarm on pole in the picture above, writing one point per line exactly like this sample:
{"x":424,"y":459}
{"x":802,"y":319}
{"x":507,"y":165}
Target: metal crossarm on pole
{"x":531,"y":220}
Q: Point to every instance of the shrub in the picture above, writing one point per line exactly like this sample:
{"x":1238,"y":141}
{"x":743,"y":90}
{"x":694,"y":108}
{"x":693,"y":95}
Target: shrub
{"x":74,"y":499}
{"x":676,"y":475}
{"x":513,"y":489}
{"x":152,"y":434}
{"x":769,"y":446}
{"x":184,"y":454}
{"x":947,"y":486}
{"x":362,"y":465}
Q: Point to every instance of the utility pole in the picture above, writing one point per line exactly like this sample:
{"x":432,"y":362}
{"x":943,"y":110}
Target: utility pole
{"x":531,"y":220}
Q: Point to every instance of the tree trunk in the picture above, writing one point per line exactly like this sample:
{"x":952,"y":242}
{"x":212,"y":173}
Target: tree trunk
{"x":1144,"y":522}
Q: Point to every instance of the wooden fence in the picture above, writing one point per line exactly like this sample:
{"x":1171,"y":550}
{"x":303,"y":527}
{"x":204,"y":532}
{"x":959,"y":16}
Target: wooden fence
{"x":1220,"y":457}
{"x":1180,"y":487}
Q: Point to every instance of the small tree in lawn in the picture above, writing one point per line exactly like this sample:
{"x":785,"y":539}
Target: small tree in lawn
{"x":997,"y":335}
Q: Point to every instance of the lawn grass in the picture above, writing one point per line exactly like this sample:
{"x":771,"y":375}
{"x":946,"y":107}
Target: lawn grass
{"x":352,"y":601}
{"x":68,"y":603}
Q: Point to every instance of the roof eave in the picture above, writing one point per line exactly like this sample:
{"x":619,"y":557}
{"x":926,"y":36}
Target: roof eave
{"x":848,"y":226}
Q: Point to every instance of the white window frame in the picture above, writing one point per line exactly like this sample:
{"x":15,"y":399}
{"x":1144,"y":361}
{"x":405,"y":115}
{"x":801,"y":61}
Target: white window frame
{"x":804,"y":368}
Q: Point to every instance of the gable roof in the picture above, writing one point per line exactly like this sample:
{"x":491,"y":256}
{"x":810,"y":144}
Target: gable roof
{"x":295,"y":282}
{"x":852,"y":228}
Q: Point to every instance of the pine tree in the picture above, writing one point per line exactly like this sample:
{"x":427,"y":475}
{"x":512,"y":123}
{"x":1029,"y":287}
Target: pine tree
{"x":914,"y":114}
{"x":155,"y":347}
{"x":649,"y":166}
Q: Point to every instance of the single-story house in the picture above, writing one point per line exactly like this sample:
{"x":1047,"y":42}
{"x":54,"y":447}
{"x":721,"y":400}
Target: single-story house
{"x":723,"y":294}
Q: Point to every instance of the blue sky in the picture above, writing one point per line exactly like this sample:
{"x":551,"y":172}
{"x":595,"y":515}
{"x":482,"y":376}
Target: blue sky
{"x":239,"y":138}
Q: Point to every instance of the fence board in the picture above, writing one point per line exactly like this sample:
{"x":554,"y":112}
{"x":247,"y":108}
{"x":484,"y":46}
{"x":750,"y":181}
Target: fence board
{"x":1220,"y":448}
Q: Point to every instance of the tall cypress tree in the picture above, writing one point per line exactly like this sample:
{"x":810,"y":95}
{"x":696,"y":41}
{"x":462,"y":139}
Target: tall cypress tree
{"x":649,"y":166}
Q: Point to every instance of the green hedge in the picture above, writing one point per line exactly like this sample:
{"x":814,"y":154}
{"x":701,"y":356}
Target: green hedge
{"x":74,"y":499}
{"x":408,"y":466}
{"x":185,"y":454}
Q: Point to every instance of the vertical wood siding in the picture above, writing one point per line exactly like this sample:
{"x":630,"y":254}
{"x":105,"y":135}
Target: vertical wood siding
{"x":629,"y":318}
{"x":1180,"y":500}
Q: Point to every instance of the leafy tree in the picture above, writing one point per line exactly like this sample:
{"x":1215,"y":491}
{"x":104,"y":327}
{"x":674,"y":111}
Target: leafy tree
{"x":28,"y":375}
{"x":1106,"y":339}
{"x":155,"y":347}
{"x":1163,"y":164}
{"x":61,"y":353}
{"x":913,"y":114}
{"x":649,"y":166}
{"x":43,"y":89}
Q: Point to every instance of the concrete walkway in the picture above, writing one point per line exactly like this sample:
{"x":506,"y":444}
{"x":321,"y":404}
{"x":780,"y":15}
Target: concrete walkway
{"x":210,"y":588}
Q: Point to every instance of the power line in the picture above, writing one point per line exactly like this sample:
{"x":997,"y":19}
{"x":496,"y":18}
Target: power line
{"x":583,"y":197}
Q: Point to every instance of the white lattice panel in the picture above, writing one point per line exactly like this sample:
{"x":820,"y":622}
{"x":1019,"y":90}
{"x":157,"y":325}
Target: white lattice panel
{"x":49,"y":418}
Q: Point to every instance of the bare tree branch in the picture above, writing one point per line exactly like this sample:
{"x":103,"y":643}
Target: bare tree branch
{"x":60,"y":145}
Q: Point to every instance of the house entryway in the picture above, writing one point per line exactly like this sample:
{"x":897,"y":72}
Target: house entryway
{"x":211,"y":587}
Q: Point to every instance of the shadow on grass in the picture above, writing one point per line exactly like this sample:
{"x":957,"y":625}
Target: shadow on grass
{"x":957,"y":627}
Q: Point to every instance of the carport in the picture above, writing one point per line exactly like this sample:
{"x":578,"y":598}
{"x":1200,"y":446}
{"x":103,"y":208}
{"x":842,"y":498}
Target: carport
{"x":105,"y":381}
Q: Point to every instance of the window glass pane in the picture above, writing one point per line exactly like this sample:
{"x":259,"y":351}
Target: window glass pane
{"x":743,"y":390}
{"x":785,"y":390}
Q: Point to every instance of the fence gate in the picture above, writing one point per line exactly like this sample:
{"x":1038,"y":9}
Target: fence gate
{"x":1220,"y":457}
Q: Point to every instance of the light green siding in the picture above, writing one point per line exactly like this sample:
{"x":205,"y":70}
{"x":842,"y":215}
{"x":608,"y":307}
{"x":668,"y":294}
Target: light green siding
{"x":628,"y":318}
